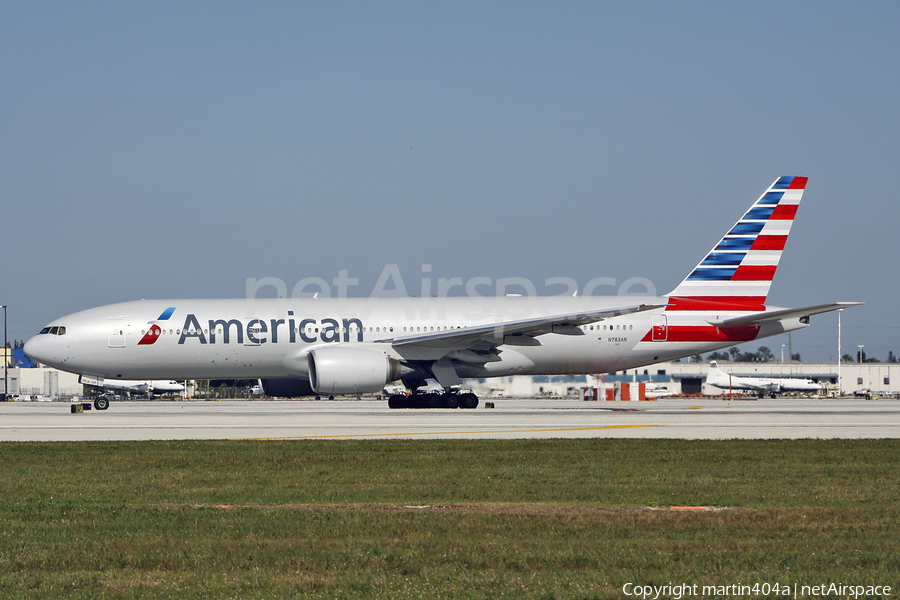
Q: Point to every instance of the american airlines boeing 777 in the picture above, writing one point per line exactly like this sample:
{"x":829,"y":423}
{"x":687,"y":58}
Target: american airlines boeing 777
{"x":300,"y":347}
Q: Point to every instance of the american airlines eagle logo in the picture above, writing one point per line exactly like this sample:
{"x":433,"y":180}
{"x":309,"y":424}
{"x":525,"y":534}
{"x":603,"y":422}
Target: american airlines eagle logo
{"x":153,"y":333}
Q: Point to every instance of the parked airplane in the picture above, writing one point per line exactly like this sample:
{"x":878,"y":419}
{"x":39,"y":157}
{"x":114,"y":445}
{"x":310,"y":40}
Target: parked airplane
{"x":760,"y":385}
{"x":654,"y":390}
{"x":147,"y":386}
{"x":309,"y":346}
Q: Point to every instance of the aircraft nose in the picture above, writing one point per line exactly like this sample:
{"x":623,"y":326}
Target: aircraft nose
{"x":36,"y":349}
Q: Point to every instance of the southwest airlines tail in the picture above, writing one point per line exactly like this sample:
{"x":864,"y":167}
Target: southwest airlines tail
{"x":738,"y":271}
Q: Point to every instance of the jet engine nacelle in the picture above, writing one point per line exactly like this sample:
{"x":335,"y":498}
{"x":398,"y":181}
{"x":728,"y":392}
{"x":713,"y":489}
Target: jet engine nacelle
{"x":342,"y":370}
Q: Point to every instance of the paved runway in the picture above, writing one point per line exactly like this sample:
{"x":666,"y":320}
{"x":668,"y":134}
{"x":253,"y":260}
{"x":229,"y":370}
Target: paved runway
{"x":708,"y":418}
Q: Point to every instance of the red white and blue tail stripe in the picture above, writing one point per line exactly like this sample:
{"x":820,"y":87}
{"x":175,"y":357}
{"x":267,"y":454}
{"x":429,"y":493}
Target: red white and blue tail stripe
{"x":738,"y":271}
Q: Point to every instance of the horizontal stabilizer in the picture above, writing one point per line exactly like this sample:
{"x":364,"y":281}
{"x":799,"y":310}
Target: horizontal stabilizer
{"x":778,"y":315}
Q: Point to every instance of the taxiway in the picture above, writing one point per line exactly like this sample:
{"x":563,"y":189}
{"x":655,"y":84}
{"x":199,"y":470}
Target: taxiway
{"x":708,"y":418}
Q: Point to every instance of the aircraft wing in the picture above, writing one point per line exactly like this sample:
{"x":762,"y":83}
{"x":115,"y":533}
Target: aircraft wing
{"x":777,"y":315}
{"x":517,"y":333}
{"x":743,"y":383}
{"x":748,"y":385}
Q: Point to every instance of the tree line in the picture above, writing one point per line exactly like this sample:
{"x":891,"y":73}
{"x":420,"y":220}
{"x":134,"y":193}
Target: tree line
{"x":764,"y":354}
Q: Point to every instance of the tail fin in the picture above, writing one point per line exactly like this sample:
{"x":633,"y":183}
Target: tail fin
{"x":738,"y":271}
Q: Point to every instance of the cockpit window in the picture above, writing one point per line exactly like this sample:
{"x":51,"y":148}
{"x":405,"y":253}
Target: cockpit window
{"x":54,"y":330}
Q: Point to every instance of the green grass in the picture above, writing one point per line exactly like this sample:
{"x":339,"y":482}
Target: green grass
{"x":455,"y":519}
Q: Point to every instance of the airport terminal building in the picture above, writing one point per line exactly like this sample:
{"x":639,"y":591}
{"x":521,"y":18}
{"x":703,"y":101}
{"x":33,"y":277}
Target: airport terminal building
{"x":882,"y":379}
{"x":41,"y":383}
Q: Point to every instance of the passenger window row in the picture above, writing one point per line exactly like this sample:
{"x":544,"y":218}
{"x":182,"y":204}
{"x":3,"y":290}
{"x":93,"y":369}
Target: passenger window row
{"x":311,"y":330}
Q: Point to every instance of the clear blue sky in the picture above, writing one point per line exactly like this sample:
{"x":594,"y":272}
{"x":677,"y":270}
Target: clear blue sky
{"x":172,"y":150}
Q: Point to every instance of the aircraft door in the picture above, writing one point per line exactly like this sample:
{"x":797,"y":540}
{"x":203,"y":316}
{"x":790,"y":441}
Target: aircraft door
{"x":116,"y":333}
{"x":659,"y":328}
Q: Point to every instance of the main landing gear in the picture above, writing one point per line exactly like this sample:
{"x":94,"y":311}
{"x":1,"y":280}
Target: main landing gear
{"x":433,"y":400}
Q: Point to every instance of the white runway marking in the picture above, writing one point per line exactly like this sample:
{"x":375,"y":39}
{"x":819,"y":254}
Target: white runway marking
{"x":706,"y":418}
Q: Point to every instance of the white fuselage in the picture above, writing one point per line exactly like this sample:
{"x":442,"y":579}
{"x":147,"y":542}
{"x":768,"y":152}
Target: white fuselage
{"x":269,"y":338}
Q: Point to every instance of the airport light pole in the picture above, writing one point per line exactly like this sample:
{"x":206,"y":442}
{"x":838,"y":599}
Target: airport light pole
{"x":5,"y":359}
{"x":862,"y":360}
{"x":840,"y":360}
{"x":782,"y":353}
